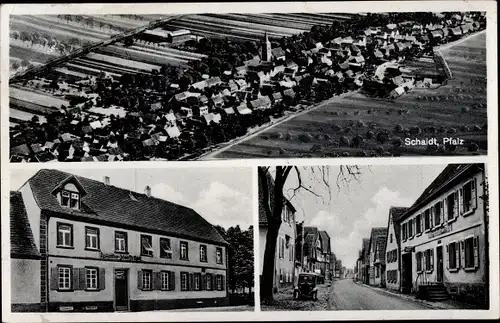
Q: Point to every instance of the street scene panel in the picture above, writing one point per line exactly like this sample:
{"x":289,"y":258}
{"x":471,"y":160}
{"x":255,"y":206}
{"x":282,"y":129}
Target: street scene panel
{"x":374,"y":237}
{"x":239,"y":85}
{"x":131,"y":240}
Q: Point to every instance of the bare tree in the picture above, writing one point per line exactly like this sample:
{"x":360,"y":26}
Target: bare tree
{"x":274,"y":200}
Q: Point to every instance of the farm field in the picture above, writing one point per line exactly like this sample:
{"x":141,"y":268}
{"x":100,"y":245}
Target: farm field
{"x":349,"y":126}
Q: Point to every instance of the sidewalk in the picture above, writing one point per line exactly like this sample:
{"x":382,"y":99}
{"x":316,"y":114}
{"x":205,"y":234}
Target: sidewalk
{"x":441,"y":305}
{"x":242,"y":308}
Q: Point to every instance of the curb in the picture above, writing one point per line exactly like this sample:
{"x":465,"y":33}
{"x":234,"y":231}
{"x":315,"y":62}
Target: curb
{"x":426,"y":303}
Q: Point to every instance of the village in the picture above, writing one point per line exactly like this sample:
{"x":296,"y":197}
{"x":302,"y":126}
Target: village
{"x":234,"y":89}
{"x":436,"y":249}
{"x":431,"y":254}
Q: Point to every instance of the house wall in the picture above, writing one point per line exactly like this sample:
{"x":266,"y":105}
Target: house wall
{"x":32,"y":211}
{"x":286,"y":265}
{"x":25,"y":285}
{"x":78,"y":257}
{"x":393,"y":265}
{"x":468,"y":283}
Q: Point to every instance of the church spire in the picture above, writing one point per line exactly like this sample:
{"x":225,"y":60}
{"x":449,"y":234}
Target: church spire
{"x":266,"y":49}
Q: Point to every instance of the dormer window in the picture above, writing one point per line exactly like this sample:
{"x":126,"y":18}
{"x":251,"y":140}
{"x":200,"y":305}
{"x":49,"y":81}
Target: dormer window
{"x":70,"y":199}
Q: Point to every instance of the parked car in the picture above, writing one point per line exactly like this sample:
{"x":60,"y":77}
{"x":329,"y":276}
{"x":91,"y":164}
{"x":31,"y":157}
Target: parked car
{"x":306,"y":286}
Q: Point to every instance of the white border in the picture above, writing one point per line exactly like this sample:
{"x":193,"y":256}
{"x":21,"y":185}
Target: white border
{"x":341,"y":7}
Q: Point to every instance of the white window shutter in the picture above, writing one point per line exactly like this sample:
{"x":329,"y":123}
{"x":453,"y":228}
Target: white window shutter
{"x":476,"y":252}
{"x":455,"y":205}
{"x":474,"y":193}
{"x":461,"y":201}
{"x":457,"y":255}
{"x":447,"y":257}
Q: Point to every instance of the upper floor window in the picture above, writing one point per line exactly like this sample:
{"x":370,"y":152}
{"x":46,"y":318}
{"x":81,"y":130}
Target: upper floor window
{"x":469,"y":196}
{"x":410,"y":228}
{"x":184,"y":250}
{"x":390,"y":238}
{"x":281,"y":253}
{"x":203,"y":253}
{"x":146,"y":246}
{"x":92,"y":238}
{"x":70,"y":199}
{"x":218,"y":255}
{"x":165,"y":248}
{"x":418,"y":224}
{"x":427,"y":219}
{"x":438,"y":212}
{"x":120,"y":241}
{"x":403,"y":231}
{"x":64,"y":235}
{"x":451,"y":206}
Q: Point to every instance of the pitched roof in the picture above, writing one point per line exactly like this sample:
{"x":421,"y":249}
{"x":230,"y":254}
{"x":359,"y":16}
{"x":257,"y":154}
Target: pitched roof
{"x":376,"y":233}
{"x":396,"y":212}
{"x":325,"y":239}
{"x":444,"y":178}
{"x":310,"y":234}
{"x":22,"y":242}
{"x":115,"y":206}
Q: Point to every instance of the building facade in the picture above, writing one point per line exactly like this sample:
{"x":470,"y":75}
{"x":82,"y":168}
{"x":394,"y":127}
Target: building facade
{"x":326,"y":251}
{"x":444,"y":235}
{"x":104,"y":248}
{"x":376,"y":255}
{"x":284,"y":268}
{"x":393,"y":249}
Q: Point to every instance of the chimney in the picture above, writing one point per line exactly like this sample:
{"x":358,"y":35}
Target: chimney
{"x":106,"y":180}
{"x":147,"y":191}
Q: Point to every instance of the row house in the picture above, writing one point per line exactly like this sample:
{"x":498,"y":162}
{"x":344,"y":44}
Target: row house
{"x":97,"y":247}
{"x":444,"y":241}
{"x":377,"y":250}
{"x":325,"y":265}
{"x":284,"y":266}
{"x":393,"y":249}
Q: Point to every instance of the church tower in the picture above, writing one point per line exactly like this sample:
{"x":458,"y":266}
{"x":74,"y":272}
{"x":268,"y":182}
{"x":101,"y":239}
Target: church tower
{"x":266,"y":49}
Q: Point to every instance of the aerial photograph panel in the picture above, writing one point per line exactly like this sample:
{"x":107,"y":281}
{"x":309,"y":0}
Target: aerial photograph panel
{"x":261,"y":85}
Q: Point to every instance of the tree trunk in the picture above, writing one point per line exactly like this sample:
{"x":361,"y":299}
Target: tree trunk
{"x":267,"y":284}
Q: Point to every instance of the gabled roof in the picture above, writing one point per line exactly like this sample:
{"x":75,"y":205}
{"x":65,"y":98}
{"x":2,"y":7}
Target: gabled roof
{"x":376,"y":233}
{"x":396,"y":212}
{"x":325,"y":241}
{"x":310,"y":236}
{"x":112,"y":205}
{"x":22,"y":241}
{"x":451,"y":172}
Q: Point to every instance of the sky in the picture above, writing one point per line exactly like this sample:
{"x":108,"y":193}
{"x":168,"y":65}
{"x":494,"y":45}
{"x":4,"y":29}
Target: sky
{"x":358,"y":206}
{"x":222,"y":195}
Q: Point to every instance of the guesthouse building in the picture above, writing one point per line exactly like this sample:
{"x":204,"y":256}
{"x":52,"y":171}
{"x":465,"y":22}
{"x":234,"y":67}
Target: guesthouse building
{"x":444,"y":241}
{"x":98,"y":247}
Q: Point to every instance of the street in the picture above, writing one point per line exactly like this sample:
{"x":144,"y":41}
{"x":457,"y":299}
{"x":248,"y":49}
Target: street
{"x":343,"y":294}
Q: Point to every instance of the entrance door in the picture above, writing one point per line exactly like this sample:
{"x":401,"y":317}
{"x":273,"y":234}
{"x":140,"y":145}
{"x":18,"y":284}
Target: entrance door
{"x":406,"y":273}
{"x":121,"y":290}
{"x":439,"y":260}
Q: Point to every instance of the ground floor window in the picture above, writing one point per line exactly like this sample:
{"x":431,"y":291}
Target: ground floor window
{"x":197,"y":281}
{"x":429,"y":259}
{"x":65,"y":277}
{"x":147,"y":278}
{"x":91,"y":276}
{"x":218,"y":281}
{"x":209,"y":281}
{"x":418,"y":258}
{"x":184,"y":281}
{"x":471,"y":252}
{"x":453,"y":259}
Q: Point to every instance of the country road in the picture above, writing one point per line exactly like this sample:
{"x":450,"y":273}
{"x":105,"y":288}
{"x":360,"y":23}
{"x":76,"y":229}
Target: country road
{"x":343,"y":294}
{"x":347,"y":295}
